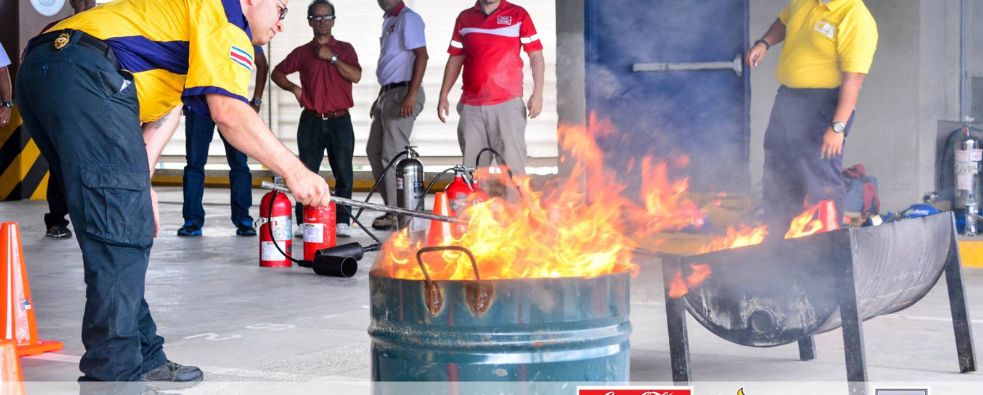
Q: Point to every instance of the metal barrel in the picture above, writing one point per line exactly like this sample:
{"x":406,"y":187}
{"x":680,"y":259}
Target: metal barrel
{"x":551,"y":329}
{"x":778,"y":293}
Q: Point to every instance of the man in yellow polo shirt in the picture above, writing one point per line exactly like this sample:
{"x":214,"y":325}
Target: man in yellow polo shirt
{"x":829,"y":47}
{"x":84,"y":89}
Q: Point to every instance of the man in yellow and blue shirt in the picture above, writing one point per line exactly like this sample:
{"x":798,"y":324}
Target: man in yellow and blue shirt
{"x":829,"y":48}
{"x":84,"y":89}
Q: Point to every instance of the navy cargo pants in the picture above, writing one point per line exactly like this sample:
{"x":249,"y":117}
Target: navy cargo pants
{"x":795,"y":177}
{"x":82,"y":111}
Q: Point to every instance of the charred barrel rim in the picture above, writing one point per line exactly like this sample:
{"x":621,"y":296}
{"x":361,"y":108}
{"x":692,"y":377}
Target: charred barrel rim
{"x":479,"y":294}
{"x":335,"y":266}
{"x":762,"y":322}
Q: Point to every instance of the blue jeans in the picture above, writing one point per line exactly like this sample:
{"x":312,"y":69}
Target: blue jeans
{"x":82,"y":111}
{"x":199,"y":131}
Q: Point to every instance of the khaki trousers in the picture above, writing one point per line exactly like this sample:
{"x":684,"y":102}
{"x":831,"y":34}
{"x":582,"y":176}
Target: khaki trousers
{"x":389,"y":135}
{"x":501,"y":127}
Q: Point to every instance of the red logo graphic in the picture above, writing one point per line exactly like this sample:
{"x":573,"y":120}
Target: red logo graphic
{"x":505,"y":20}
{"x":634,"y":391}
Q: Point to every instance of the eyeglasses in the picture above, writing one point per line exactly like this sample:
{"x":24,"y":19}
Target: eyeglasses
{"x":320,"y":18}
{"x":283,"y":11}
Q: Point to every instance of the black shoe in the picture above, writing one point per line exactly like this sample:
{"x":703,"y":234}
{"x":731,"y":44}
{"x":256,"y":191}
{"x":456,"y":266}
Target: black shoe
{"x":58,"y":232}
{"x":243,"y":230}
{"x":189,"y":230}
{"x":174,"y":373}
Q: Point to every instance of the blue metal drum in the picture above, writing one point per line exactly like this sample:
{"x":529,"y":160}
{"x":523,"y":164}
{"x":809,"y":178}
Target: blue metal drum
{"x":551,"y":329}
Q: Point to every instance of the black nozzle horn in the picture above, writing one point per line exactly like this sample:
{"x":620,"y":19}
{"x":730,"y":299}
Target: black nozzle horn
{"x":350,"y":250}
{"x":335,"y":266}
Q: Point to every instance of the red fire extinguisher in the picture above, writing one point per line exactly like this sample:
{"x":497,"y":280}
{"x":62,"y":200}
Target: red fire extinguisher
{"x":478,"y":195}
{"x":275,"y":221}
{"x":319,"y":229}
{"x":458,"y":193}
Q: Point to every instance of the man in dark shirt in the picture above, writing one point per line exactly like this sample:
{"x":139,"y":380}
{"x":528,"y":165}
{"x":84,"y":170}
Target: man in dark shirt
{"x":327,"y":68}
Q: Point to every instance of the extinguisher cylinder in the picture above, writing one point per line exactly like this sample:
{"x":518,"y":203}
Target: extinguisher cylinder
{"x":409,"y":194}
{"x":319,"y":229}
{"x":276,"y":222}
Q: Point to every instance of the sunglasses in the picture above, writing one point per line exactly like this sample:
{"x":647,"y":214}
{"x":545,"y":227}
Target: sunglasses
{"x":321,"y":18}
{"x":283,"y":11}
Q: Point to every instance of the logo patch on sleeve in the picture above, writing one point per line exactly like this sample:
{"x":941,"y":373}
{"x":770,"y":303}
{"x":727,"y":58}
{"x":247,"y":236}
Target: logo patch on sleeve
{"x":241,"y":57}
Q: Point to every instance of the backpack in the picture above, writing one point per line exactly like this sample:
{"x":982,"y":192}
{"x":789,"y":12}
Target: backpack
{"x":861,"y":193}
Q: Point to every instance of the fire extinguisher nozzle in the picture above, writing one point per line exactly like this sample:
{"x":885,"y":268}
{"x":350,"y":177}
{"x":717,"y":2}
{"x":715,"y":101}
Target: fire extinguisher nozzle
{"x":335,"y":266}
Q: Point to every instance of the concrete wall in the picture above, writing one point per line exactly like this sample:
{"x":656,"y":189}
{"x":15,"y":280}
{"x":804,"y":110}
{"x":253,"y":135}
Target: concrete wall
{"x":913,"y":84}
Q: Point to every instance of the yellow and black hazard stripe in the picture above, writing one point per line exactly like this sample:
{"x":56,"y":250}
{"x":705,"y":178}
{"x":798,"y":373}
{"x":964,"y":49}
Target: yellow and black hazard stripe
{"x":23,"y":170}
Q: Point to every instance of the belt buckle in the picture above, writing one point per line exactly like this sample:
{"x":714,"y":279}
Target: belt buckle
{"x":325,"y":116}
{"x":61,"y":41}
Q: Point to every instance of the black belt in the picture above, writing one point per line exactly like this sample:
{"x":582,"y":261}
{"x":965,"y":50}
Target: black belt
{"x":395,"y":85}
{"x":84,"y":40}
{"x":327,"y":115}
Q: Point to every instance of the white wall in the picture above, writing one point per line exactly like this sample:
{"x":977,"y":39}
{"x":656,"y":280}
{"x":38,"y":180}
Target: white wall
{"x":359,"y":23}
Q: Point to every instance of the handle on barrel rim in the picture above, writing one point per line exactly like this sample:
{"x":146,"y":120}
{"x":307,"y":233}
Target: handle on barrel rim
{"x":478,"y":295}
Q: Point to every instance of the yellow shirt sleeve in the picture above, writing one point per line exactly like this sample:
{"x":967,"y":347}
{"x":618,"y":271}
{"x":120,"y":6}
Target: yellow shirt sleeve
{"x":856,"y":41}
{"x":220,"y":61}
{"x":783,"y":16}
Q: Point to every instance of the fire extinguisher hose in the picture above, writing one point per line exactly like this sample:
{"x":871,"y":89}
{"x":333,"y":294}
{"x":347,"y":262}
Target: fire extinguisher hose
{"x":374,"y":206}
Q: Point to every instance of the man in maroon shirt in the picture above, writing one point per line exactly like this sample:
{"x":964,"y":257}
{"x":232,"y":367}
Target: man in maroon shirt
{"x":328,"y":68}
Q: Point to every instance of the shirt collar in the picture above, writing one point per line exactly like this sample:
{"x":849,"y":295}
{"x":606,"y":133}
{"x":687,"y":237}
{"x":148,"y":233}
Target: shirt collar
{"x":501,"y":6}
{"x":233,"y":13}
{"x":834,"y":5}
{"x":397,"y":9}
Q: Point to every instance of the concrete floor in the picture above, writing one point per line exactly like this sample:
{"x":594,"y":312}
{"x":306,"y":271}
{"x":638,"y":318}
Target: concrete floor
{"x":256,"y":330}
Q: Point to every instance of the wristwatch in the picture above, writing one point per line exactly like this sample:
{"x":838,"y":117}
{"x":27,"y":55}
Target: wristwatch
{"x":333,"y":59}
{"x":838,"y":127}
{"x":7,"y":104}
{"x":256,"y":102}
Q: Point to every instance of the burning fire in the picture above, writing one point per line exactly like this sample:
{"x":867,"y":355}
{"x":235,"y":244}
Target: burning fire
{"x":680,"y":287}
{"x":805,"y":224}
{"x":565,"y":229}
{"x":735,"y":238}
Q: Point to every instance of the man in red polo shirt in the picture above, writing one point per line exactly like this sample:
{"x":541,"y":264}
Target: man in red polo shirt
{"x":486,"y":43}
{"x":328,"y":68}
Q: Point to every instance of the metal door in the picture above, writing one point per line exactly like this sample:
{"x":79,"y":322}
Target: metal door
{"x":669,"y":74}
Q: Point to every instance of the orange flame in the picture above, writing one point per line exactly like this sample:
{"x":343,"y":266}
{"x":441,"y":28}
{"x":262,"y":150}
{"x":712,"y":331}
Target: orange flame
{"x":804,"y":224}
{"x":735,"y":238}
{"x":562,"y":231}
{"x":679,"y":287}
{"x":566,"y":229}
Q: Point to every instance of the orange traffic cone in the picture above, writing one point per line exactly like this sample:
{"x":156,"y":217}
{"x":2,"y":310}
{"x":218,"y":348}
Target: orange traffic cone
{"x":827,"y":216}
{"x":11,"y":381}
{"x":17,"y":322}
{"x":440,"y":231}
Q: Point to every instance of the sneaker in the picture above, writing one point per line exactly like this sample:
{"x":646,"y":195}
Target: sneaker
{"x":385,"y":222}
{"x":58,"y":232}
{"x":189,"y":230}
{"x":174,"y":373}
{"x":246,"y":229}
{"x":343,"y":230}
